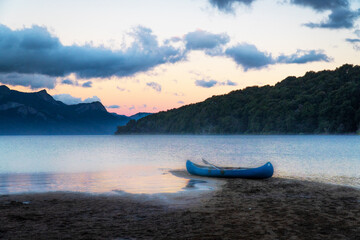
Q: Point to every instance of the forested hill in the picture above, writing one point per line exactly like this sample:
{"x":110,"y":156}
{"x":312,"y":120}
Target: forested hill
{"x":318,"y":102}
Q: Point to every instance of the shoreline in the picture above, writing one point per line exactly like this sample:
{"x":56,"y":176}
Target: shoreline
{"x":249,"y":209}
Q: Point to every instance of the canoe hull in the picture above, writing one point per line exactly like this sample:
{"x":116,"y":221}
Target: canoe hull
{"x":265,"y":171}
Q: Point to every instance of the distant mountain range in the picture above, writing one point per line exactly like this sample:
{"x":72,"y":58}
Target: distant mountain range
{"x":39,"y":113}
{"x":319,"y":102}
{"x":139,"y":115}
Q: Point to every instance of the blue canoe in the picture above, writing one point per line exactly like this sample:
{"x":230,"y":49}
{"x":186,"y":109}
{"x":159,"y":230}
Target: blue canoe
{"x":265,"y":171}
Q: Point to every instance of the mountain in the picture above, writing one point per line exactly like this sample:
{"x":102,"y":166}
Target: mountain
{"x":39,"y":113}
{"x":124,"y":119}
{"x":139,"y":115}
{"x":319,"y":102}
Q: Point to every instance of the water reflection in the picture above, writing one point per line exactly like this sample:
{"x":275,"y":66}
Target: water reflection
{"x":139,"y":179}
{"x":191,"y":183}
{"x":106,"y":163}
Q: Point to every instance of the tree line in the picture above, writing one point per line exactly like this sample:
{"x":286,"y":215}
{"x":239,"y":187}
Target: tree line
{"x":325,"y":102}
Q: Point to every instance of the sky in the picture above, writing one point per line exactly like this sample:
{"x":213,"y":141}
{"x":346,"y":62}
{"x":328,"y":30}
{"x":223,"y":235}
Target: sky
{"x":150,"y":56}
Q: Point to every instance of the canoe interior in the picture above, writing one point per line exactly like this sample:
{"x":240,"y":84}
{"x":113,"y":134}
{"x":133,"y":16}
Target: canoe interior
{"x":225,"y":168}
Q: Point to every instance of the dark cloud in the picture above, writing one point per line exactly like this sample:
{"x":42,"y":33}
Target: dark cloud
{"x":205,"y":84}
{"x":202,"y":40}
{"x":301,"y":57}
{"x":338,"y":18}
{"x":69,"y":82}
{"x":318,"y":5}
{"x":322,"y":5}
{"x":87,"y":84}
{"x":113,"y":106}
{"x":230,"y":83}
{"x":34,"y":81}
{"x":353,"y":40}
{"x":155,"y":86}
{"x":228,"y":5}
{"x":35,"y":50}
{"x":249,"y":57}
{"x":341,"y":15}
{"x":68,"y":99}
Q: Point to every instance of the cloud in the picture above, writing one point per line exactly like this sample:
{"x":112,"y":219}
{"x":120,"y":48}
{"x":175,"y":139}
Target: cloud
{"x":249,"y":57}
{"x":301,"y":57}
{"x":357,"y":32}
{"x":131,"y":108}
{"x":355,"y":42}
{"x":69,"y":82}
{"x":87,"y":84}
{"x":35,"y":50}
{"x":230,"y":83}
{"x":92,"y":99}
{"x":180,"y":102}
{"x":213,"y":83}
{"x":228,"y":5}
{"x":68,"y":99}
{"x":321,"y":5}
{"x":155,"y":86}
{"x":205,"y":84}
{"x":338,"y":18}
{"x":34,"y":81}
{"x":202,"y":40}
{"x":113,"y":106}
{"x":341,"y":16}
{"x":173,"y":39}
{"x":318,"y":5}
{"x":179,"y":94}
{"x":122,"y":89}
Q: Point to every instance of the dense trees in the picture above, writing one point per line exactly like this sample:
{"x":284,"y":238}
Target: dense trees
{"x":322,"y":102}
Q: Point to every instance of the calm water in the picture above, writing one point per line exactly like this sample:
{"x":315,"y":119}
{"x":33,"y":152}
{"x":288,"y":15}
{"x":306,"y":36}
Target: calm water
{"x":141,"y":164}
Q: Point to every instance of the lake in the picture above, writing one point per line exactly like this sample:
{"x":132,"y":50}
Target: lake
{"x":141,"y":163}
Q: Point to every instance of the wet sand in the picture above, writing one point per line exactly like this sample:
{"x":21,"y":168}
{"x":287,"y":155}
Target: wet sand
{"x":240,"y":209}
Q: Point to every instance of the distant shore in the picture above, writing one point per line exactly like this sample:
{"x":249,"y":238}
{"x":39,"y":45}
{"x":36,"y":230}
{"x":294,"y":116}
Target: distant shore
{"x":241,"y":209}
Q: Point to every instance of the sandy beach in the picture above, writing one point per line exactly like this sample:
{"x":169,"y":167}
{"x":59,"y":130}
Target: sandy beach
{"x":240,"y":209}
